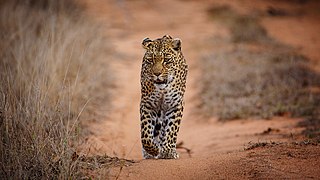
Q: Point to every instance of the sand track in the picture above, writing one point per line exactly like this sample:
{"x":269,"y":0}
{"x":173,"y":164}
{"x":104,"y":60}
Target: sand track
{"x":217,"y":148}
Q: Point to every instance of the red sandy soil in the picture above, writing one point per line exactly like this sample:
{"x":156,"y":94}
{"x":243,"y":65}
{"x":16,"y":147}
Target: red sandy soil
{"x":217,"y":147}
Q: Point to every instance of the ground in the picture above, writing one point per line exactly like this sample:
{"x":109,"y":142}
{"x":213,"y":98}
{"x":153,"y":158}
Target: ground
{"x":218,"y":149}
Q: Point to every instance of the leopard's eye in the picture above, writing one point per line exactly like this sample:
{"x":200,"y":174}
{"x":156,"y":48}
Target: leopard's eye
{"x":168,"y":59}
{"x":149,"y":58}
{"x":168,"y":63}
{"x":168,"y":56}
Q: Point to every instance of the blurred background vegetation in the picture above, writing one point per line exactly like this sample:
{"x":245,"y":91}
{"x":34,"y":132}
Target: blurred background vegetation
{"x":272,"y":80}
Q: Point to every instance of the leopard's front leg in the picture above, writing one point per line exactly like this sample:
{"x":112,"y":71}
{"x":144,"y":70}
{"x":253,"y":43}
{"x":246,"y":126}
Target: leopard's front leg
{"x":150,"y":148}
{"x":169,"y":132}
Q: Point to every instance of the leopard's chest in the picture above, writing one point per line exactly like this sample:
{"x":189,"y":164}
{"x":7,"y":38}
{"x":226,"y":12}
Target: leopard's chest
{"x":165,"y":96}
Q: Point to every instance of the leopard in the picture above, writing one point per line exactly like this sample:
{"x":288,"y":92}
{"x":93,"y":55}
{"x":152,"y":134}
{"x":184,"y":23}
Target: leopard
{"x":163,"y":83}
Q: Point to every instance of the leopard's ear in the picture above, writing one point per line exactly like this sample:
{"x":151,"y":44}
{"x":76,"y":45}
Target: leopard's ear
{"x":166,"y":37}
{"x":176,"y":44}
{"x":146,"y":42}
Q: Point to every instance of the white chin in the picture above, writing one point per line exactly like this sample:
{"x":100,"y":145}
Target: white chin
{"x":160,"y":86}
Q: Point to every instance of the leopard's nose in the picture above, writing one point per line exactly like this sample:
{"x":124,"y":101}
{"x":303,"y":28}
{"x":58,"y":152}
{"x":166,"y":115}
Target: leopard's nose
{"x":157,"y":73}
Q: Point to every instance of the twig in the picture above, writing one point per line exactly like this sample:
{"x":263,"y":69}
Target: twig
{"x":180,"y":146}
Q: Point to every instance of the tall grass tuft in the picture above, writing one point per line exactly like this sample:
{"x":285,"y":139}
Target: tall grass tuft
{"x":51,"y":67}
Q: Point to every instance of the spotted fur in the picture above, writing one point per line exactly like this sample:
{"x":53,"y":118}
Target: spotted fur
{"x":163,"y":83}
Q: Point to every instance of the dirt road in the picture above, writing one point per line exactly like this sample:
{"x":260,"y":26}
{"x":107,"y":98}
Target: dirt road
{"x":217,"y":148}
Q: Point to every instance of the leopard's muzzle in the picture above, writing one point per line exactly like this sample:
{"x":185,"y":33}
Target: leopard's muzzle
{"x":159,"y":81}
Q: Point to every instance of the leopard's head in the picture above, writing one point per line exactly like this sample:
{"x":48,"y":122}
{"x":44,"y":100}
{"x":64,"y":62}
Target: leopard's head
{"x":161,"y":58}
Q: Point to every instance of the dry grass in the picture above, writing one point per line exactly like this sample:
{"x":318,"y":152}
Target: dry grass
{"x":98,"y":166}
{"x":269,"y":81}
{"x":52,"y":70}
